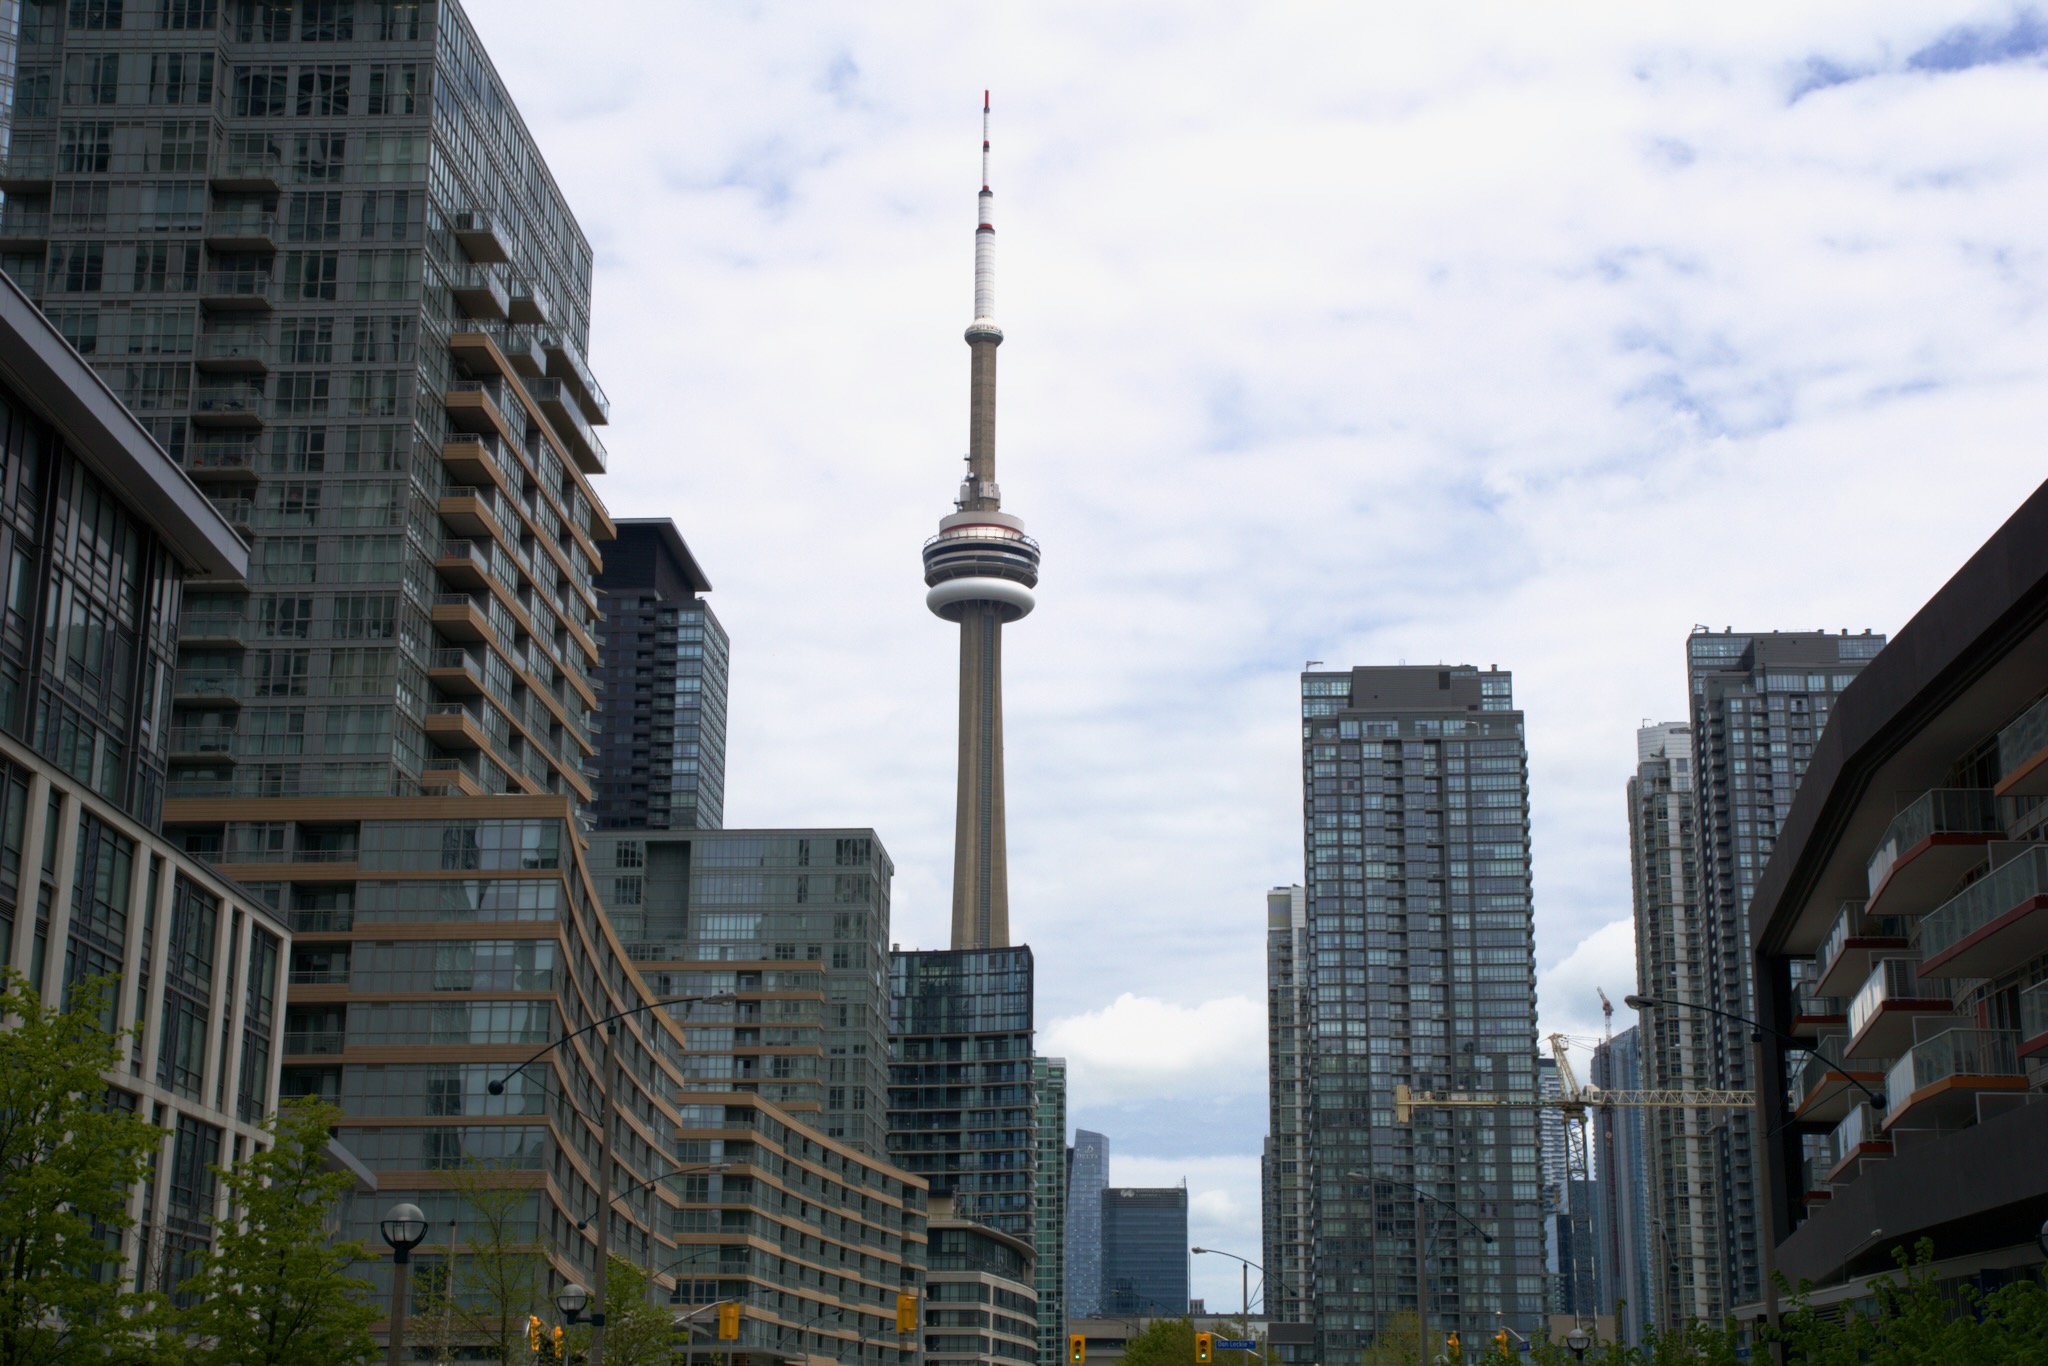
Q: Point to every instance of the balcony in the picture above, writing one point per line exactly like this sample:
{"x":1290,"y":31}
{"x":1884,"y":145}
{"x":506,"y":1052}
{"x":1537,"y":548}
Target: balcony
{"x":1814,"y":1014}
{"x":521,"y":346}
{"x":236,"y":291}
{"x":249,"y":163}
{"x":464,"y":564}
{"x":565,"y":361}
{"x":2023,"y":754}
{"x":1997,"y":921}
{"x":478,"y":406}
{"x":23,"y":227}
{"x":1859,"y":1138}
{"x":241,"y":232}
{"x":2034,"y":1019}
{"x":1813,"y":1170}
{"x":444,"y":776}
{"x":1822,"y":1091}
{"x":237,"y":351}
{"x":1937,"y":1083}
{"x":476,"y":233}
{"x":478,"y":460}
{"x":206,"y":688}
{"x":241,"y":407}
{"x":477,"y":512}
{"x":526,"y":304}
{"x":455,"y":726}
{"x":1883,"y":1012}
{"x":210,"y":743}
{"x":28,"y":165}
{"x":1938,"y":837}
{"x":1854,"y":942}
{"x":455,"y":672}
{"x":221,"y":460}
{"x":458,"y":617}
{"x":565,"y":415}
{"x":212,"y":628}
{"x":314,"y":1043}
{"x":480,"y":291}
{"x":239,"y":513}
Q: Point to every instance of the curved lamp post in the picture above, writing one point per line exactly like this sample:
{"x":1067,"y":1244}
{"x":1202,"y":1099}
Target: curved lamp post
{"x":1245,"y":1269}
{"x":1422,"y":1252}
{"x":610,"y":1025}
{"x":404,"y":1228}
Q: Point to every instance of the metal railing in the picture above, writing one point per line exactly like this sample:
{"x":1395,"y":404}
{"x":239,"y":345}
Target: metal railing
{"x":2025,"y":737}
{"x":2034,"y":1010}
{"x":1983,"y":901}
{"x":315,"y":1043}
{"x":1806,"y":1003}
{"x":1959,"y":1052}
{"x":206,"y":684}
{"x":249,"y":284}
{"x":20,"y":224}
{"x":201,"y":740}
{"x":241,"y":225}
{"x":1955,"y":810}
{"x":205,"y":456}
{"x":1813,"y":1072}
{"x":1891,"y":979}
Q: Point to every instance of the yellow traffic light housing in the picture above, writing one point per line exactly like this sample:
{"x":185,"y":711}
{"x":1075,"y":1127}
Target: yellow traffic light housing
{"x":1205,"y":1348}
{"x":906,"y":1313}
{"x":559,"y":1356}
{"x":729,"y":1322}
{"x":1452,"y":1349}
{"x":533,"y":1333}
{"x":1077,"y":1349}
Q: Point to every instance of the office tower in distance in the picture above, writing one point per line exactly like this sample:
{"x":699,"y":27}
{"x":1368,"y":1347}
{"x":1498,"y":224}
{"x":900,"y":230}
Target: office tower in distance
{"x":1759,"y":702}
{"x":1049,"y":1094}
{"x":1416,"y":845}
{"x":1287,"y":1178}
{"x":1145,"y":1251}
{"x":961,"y":1113}
{"x":1619,"y":1137}
{"x":102,"y":531}
{"x":1088,"y":1174}
{"x":1677,"y":1049}
{"x":661,"y":731}
{"x":795,"y":923}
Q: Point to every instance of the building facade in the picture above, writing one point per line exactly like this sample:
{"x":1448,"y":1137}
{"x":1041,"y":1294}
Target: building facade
{"x":982,"y":1306}
{"x":102,"y":533}
{"x":1049,"y":1255}
{"x":664,"y":670}
{"x":1145,"y":1250}
{"x":1620,"y":1144}
{"x":1087,"y":1177}
{"x":1288,"y":1177}
{"x":1759,"y":703}
{"x":1416,"y":853}
{"x":795,"y":924}
{"x":961,"y":1111}
{"x":1899,"y":937}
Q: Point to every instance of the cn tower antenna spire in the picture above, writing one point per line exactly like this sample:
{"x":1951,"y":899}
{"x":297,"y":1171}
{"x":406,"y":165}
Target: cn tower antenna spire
{"x":980,"y":570}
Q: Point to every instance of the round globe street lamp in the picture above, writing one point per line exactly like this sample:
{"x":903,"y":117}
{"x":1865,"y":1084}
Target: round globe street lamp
{"x":2042,"y":1237}
{"x":1578,"y":1340}
{"x":404,"y":1228}
{"x":570,"y":1299}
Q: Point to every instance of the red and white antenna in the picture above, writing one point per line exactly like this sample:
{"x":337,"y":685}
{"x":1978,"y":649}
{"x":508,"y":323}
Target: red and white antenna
{"x":985,"y":235}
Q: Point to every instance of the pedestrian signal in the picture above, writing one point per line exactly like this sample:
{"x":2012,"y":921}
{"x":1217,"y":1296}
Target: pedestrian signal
{"x":729,"y":1322}
{"x":1205,"y":1348}
{"x":1077,"y":1349}
{"x":906,"y":1313}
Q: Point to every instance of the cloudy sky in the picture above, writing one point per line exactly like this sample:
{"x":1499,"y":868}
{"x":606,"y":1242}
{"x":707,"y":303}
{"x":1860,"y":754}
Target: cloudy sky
{"x":1517,"y":335}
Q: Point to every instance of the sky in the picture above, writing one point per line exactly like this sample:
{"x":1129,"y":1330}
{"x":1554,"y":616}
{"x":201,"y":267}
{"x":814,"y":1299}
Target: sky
{"x":1511,"y":335}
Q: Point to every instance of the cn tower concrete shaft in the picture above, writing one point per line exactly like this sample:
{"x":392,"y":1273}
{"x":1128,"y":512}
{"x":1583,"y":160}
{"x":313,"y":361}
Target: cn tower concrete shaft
{"x":981,"y":855}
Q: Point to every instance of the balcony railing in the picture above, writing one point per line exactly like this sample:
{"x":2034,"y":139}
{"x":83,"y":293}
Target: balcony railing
{"x":236,"y":284}
{"x":314,"y":1042}
{"x":2025,"y":737}
{"x":245,"y":225}
{"x":211,"y":457}
{"x":2034,"y":1016}
{"x":196,"y":683}
{"x":2005,"y":889}
{"x":1941,"y":811}
{"x":1860,"y":1128}
{"x":1960,"y":1052}
{"x":1892,"y":982}
{"x":319,"y":977}
{"x":22,"y":225}
{"x":201,"y":740}
{"x":1807,"y":1003}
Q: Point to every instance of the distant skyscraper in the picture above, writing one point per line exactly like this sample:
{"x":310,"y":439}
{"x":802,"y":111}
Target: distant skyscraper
{"x":1049,"y":1094}
{"x":1289,"y":1189}
{"x":1759,"y":703}
{"x":1087,"y":1177}
{"x":1416,"y":844}
{"x":1619,"y":1158}
{"x":980,"y":570}
{"x":661,"y":731}
{"x":1145,"y":1250}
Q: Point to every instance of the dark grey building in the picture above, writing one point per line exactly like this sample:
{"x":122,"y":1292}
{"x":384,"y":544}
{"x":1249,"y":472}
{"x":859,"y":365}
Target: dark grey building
{"x":1621,"y":1171}
{"x":1287,"y":1177}
{"x":1087,"y":1175}
{"x":1145,"y":1250}
{"x":1049,"y":1256}
{"x":1908,"y":882}
{"x":666,"y":660}
{"x":1416,"y":851}
{"x":1759,"y":703}
{"x":961,"y":1110}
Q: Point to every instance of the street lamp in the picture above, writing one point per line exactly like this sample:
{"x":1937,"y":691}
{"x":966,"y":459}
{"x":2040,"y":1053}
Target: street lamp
{"x":570,"y":1299}
{"x":1422,"y":1252}
{"x":610,"y":1025}
{"x":1877,"y":1102}
{"x":2042,"y":1238}
{"x":1578,"y":1340}
{"x":404,"y":1228}
{"x":1244,"y":1277}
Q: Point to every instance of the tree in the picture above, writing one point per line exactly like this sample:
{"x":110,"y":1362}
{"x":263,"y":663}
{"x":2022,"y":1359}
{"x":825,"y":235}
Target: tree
{"x":275,"y":1290}
{"x":1394,"y":1345}
{"x":497,"y":1281}
{"x":1165,"y":1342}
{"x":69,"y":1157}
{"x":637,"y":1331}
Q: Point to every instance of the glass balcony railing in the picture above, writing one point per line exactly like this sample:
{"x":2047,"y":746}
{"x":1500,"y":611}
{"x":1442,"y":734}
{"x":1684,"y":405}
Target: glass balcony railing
{"x":314,"y":1042}
{"x":212,"y":457}
{"x":211,"y":740}
{"x":236,"y":284}
{"x":1861,"y":1126}
{"x":1808,"y":1004}
{"x":1983,"y":901}
{"x":1812,"y":1075}
{"x":2024,"y":738}
{"x":1891,"y":980}
{"x":1960,"y":1052}
{"x":235,"y":346}
{"x":203,"y":683}
{"x":1937,"y":812}
{"x":249,"y":225}
{"x":2034,"y":1011}
{"x":23,"y":225}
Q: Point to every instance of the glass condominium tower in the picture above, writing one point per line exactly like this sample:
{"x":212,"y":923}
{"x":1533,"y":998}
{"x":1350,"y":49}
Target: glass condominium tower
{"x":314,"y":248}
{"x":1421,"y":971}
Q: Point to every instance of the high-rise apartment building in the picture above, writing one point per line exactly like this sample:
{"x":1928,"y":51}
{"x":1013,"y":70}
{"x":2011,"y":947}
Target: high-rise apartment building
{"x":1416,"y":850}
{"x":1049,"y":1095}
{"x":1671,"y":960}
{"x":1087,"y":1176}
{"x":1759,"y":704}
{"x":664,"y":668}
{"x":101,"y":532}
{"x":983,"y":1310}
{"x":1288,"y":1178}
{"x":1620,"y":1138}
{"x":1145,"y":1252}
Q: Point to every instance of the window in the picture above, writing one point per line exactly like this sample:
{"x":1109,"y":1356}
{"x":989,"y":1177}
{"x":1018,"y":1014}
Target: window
{"x":307,"y":340}
{"x":323,"y":91}
{"x":284,"y":618}
{"x":394,"y":156}
{"x":287,"y":559}
{"x":75,"y":267}
{"x":313,"y":216}
{"x":85,"y":148}
{"x":365,"y":616}
{"x":260,"y":91}
{"x":155,"y":387}
{"x":311,"y":274}
{"x":281,"y":673}
{"x":181,"y":146}
{"x":92,"y":78}
{"x":302,"y":393}
{"x":382,"y":338}
{"x":262,"y":21}
{"x":185,"y":14}
{"x":387,"y":275}
{"x":367,"y":559}
{"x":318,"y":157}
{"x":390,"y":214}
{"x":358,"y":730}
{"x":94,"y":14}
{"x":394,"y":88}
{"x":398,"y":21}
{"x":327,"y":21}
{"x":181,"y":78}
{"x":165,"y":267}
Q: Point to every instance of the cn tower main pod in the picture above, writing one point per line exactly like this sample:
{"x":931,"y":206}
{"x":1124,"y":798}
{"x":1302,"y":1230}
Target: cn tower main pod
{"x":980,"y":570}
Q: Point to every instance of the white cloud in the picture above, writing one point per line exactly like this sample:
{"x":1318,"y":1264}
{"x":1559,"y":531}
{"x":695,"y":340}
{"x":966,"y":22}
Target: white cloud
{"x":1516,"y":334}
{"x":1142,"y":1049}
{"x":1604,"y":960}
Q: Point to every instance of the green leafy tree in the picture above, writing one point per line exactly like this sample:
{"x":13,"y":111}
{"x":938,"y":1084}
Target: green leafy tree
{"x":276,"y":1289}
{"x":638,"y":1332}
{"x":1164,"y":1342}
{"x":498,"y":1278}
{"x":68,"y":1161}
{"x":1394,"y":1345}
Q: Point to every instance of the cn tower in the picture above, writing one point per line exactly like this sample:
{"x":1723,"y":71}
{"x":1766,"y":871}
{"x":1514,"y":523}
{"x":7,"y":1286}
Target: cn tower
{"x":980,"y":570}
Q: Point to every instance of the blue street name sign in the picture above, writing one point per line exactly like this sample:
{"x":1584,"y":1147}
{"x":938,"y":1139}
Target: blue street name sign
{"x":1237,"y":1344}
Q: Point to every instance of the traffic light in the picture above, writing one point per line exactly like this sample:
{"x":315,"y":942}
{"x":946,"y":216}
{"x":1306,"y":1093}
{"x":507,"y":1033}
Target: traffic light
{"x":1452,"y":1349}
{"x":906,"y":1313}
{"x":559,"y":1356}
{"x":533,"y":1333}
{"x":1077,"y":1349}
{"x":729,"y":1322}
{"x":1205,"y":1348}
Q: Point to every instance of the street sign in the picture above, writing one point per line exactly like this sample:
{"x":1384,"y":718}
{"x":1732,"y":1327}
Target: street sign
{"x":1237,"y":1344}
